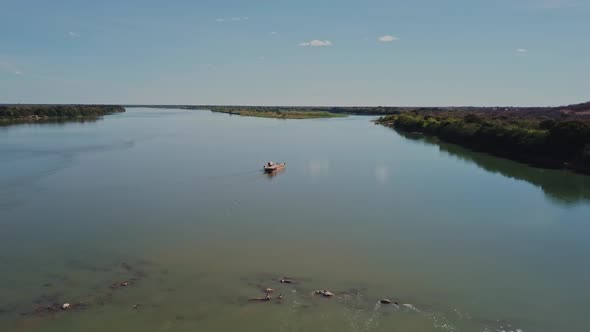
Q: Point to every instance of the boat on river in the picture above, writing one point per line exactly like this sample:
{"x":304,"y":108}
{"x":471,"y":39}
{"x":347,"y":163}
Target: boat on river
{"x":273,"y":167}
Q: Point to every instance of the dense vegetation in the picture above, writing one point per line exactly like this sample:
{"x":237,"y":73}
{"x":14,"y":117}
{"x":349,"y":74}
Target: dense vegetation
{"x":22,"y":112}
{"x":556,"y":137}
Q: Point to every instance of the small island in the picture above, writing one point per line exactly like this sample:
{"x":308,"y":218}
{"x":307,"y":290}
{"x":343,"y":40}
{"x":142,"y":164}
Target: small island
{"x":19,"y":113}
{"x":276,"y":112}
{"x":550,"y":137}
{"x":287,"y":112}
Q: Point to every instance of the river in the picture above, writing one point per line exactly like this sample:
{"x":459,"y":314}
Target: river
{"x":174,"y":203}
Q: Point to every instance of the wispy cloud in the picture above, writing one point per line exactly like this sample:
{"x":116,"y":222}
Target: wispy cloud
{"x":522,"y":50}
{"x":73,"y":34}
{"x":232,"y":19}
{"x":316,"y":43}
{"x":556,"y":4}
{"x":387,"y":39}
{"x":10,"y":68}
{"x":272,"y":33}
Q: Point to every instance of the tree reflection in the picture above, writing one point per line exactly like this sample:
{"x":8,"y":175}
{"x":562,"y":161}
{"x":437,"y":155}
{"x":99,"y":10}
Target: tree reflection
{"x":561,"y":186}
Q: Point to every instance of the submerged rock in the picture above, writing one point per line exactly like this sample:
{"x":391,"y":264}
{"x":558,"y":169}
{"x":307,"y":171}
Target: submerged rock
{"x":324,"y":293}
{"x":261,"y":299}
{"x":125,"y":266}
{"x":287,"y":281}
{"x":120,"y":284}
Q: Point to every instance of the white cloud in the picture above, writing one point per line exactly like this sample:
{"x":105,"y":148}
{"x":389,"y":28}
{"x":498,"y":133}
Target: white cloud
{"x":522,"y":50}
{"x":219,"y":19}
{"x":261,"y":58}
{"x":273,"y":33}
{"x":316,"y":42}
{"x":245,"y":18}
{"x":387,"y":38}
{"x":236,"y":19}
{"x":73,"y":34}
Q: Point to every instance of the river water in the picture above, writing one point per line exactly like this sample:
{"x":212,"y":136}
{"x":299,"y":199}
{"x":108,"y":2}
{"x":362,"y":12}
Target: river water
{"x":174,"y":203}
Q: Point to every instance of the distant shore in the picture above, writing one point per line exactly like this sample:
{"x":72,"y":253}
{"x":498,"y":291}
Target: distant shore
{"x":577,"y":110}
{"x":550,"y":137}
{"x":23,"y":113}
{"x":279,"y":113}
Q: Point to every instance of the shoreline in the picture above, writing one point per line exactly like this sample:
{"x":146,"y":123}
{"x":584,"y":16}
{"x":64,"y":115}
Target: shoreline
{"x":24,"y":113}
{"x":534,"y":140}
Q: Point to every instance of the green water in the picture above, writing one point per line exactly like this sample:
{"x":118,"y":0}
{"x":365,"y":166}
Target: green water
{"x":175,"y":201}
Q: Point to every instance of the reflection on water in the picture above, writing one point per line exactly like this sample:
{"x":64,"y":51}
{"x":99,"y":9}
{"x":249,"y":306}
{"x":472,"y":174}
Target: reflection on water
{"x":382,"y":173}
{"x":561,"y":186}
{"x":46,"y":122}
{"x":318,"y":168}
{"x":273,"y":174}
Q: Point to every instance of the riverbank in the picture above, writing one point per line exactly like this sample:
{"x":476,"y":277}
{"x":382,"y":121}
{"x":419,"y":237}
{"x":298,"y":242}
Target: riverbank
{"x":22,"y":113}
{"x":548,"y":138}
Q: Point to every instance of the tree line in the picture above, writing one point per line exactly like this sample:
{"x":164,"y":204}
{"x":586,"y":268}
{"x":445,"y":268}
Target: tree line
{"x":537,"y":139}
{"x":39,"y":112}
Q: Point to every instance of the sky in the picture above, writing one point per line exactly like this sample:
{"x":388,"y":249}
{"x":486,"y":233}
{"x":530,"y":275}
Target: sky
{"x":304,"y":52}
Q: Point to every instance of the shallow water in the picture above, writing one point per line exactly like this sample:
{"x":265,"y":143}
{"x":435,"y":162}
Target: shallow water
{"x":174,"y":201}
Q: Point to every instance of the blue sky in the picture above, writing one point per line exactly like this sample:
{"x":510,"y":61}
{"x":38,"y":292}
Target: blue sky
{"x":339,"y":52}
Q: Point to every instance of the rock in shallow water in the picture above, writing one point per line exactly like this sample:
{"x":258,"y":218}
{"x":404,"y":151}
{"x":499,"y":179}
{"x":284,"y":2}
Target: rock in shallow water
{"x":324,"y":293}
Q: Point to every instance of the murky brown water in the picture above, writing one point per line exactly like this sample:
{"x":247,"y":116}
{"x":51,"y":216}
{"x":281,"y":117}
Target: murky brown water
{"x":174,"y":202}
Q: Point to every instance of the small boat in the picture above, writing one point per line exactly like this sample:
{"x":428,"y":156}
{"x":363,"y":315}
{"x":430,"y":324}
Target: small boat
{"x":273,"y":167}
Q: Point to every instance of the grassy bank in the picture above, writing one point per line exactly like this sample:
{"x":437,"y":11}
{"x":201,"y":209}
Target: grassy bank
{"x":33,"y":113}
{"x":277,"y":113}
{"x":536,"y":138}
